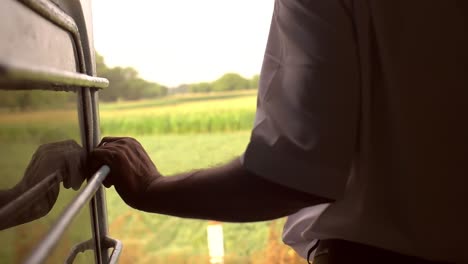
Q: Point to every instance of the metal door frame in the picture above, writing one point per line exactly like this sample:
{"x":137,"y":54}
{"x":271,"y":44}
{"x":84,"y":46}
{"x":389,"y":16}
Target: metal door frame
{"x":86,"y":85}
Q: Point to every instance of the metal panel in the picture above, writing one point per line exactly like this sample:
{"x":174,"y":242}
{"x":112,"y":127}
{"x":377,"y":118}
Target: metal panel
{"x":80,"y":11}
{"x":28,"y":38}
{"x":28,"y":120}
{"x":76,"y":22}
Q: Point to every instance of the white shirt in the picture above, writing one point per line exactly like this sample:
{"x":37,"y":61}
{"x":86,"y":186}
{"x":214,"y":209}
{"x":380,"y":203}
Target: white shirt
{"x":367,"y":104}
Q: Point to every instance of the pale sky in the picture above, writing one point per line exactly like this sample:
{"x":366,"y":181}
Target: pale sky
{"x":183,"y":41}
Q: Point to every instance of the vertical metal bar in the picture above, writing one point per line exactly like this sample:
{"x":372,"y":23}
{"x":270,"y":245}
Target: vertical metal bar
{"x":100,"y":197}
{"x":98,"y":203}
{"x":101,"y":257}
{"x":85,"y":139}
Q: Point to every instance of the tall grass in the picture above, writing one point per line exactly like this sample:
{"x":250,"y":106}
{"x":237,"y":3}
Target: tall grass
{"x":178,"y":123}
{"x":173,"y":115}
{"x":40,"y":126}
{"x":183,"y":115}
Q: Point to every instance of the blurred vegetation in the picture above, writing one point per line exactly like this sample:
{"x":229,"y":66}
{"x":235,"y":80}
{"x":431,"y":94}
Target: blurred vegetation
{"x":181,"y":114}
{"x":38,"y":116}
{"x":125,"y":84}
{"x":227,"y":82}
{"x":176,"y":114}
{"x":20,"y":101}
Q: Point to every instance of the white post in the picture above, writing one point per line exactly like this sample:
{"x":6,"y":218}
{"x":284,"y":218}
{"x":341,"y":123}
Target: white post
{"x":215,"y":242}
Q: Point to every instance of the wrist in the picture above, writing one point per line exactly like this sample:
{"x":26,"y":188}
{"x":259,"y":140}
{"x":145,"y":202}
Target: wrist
{"x":8,"y":195}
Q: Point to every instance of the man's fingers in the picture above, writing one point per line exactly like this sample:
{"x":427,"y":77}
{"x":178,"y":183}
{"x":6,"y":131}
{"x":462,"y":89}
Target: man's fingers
{"x":96,"y":159}
{"x":126,"y":141}
{"x":106,"y":140}
{"x":105,"y":154}
{"x":130,"y":165}
{"x":107,"y":182}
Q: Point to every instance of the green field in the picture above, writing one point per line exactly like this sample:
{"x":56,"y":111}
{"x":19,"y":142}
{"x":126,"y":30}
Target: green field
{"x":180,"y":133}
{"x":225,"y":112}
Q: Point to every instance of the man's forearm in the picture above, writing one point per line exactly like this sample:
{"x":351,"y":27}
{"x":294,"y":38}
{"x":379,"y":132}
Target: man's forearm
{"x":227,"y":193}
{"x":7,"y":196}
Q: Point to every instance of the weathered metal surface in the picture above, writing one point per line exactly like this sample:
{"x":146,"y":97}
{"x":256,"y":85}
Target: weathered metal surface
{"x":28,"y":38}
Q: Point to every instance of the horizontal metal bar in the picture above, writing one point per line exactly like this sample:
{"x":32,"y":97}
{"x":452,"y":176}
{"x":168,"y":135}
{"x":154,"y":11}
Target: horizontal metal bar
{"x":49,"y":242}
{"x":16,"y":73}
{"x":13,"y":207}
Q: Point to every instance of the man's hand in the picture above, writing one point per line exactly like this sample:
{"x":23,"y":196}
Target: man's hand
{"x":225,"y":193}
{"x":131,"y":169}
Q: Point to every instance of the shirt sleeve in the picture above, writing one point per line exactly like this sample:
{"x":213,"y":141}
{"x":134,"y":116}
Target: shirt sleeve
{"x":305,"y":129}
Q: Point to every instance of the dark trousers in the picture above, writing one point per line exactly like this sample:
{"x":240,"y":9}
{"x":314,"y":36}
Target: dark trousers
{"x":344,"y":252}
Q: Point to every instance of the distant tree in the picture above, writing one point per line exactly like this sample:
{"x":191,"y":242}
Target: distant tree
{"x":227,"y":82}
{"x":254,"y":82}
{"x":149,"y":89}
{"x":202,"y":87}
{"x":101,"y":67}
{"x":125,"y":84}
{"x":230,"y":82}
{"x":180,"y":89}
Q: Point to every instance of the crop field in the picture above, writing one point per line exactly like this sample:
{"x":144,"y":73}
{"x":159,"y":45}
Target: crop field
{"x":180,"y":115}
{"x":180,"y":133}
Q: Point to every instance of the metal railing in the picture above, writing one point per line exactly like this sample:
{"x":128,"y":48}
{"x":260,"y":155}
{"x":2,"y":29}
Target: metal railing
{"x":40,"y":253}
{"x":27,"y":75}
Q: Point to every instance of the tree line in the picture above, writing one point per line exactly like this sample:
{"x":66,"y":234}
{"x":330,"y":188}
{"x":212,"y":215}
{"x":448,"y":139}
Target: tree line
{"x":124,"y":84}
{"x":227,"y":82}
